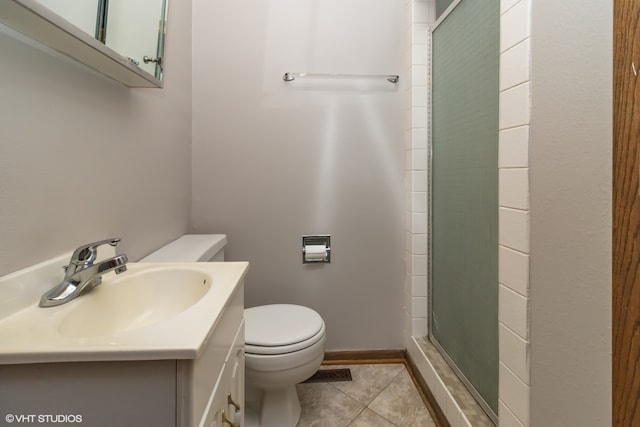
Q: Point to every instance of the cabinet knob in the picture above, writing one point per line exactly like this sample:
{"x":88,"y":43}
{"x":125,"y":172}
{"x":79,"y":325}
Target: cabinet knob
{"x":231,"y":402}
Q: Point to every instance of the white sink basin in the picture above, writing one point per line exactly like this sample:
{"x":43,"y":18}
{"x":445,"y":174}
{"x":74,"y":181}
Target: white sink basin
{"x":135,"y":300}
{"x":151,"y":311}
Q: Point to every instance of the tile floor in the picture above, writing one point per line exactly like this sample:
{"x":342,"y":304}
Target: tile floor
{"x":380,"y":395}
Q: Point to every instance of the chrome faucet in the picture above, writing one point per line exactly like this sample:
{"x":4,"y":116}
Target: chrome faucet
{"x":83,"y":274}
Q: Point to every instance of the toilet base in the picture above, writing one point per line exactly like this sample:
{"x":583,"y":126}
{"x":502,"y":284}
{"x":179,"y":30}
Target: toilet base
{"x":274,"y":408}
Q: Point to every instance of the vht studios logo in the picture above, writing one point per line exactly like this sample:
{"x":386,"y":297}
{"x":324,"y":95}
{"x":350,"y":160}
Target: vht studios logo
{"x":42,"y":418}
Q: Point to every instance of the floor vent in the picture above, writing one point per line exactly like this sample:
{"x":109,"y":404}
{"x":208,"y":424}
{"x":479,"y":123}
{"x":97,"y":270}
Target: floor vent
{"x":330,"y":375}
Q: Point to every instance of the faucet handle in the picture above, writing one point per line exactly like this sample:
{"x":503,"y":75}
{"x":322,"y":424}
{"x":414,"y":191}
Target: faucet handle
{"x":86,"y":254}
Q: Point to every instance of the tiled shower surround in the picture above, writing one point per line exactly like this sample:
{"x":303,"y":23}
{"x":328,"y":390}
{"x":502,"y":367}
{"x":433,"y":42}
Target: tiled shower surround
{"x":513,"y":218}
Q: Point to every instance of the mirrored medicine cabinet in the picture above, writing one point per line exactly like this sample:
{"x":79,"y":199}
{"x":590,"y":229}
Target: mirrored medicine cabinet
{"x":121,"y":39}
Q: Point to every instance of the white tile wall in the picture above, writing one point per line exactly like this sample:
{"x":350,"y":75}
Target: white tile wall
{"x":419,"y":223}
{"x":513,"y":270}
{"x":514,"y":226}
{"x":419,"y":327}
{"x":514,"y":65}
{"x":514,"y":213}
{"x":517,"y":398}
{"x":419,"y":181}
{"x":514,"y":353}
{"x":419,"y":202}
{"x":419,"y":117}
{"x":514,"y":25}
{"x":419,"y":160}
{"x":419,"y":263}
{"x":507,"y":419}
{"x":513,"y":147}
{"x":423,"y":12}
{"x":414,"y":183}
{"x":514,"y":106}
{"x":419,"y":74}
{"x":419,"y":14}
{"x":514,"y":188}
{"x":419,"y":54}
{"x":514,"y":229}
{"x":512,"y":311}
{"x":419,"y":244}
{"x":419,"y":97}
{"x":419,"y":306}
{"x":506,"y":5}
{"x":419,"y":287}
{"x":418,"y":138}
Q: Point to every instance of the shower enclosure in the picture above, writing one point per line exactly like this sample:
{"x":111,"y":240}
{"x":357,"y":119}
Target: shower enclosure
{"x":464,"y":194}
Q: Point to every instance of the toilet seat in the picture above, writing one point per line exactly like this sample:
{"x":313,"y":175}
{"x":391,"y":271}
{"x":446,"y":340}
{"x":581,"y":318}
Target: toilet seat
{"x":283,"y":349}
{"x":281,"y":328}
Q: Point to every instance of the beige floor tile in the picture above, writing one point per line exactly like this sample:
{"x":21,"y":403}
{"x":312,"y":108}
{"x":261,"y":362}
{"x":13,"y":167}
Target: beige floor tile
{"x":401,"y":404}
{"x":325,"y":406}
{"x":368,"y":418}
{"x":368,"y":380}
{"x":420,"y":417}
{"x":392,"y":398}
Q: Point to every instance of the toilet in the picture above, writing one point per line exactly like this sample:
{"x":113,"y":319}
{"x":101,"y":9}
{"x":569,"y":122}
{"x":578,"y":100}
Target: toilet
{"x":284,"y":343}
{"x":284,"y":346}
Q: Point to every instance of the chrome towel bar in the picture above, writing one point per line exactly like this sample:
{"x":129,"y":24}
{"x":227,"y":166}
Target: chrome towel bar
{"x":287,"y":77}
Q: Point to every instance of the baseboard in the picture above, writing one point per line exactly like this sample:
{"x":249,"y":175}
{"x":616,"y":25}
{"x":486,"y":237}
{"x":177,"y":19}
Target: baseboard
{"x":391,"y":356}
{"x":363,"y":357}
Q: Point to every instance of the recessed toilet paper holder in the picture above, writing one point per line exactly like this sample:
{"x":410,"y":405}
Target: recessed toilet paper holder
{"x":316,"y":248}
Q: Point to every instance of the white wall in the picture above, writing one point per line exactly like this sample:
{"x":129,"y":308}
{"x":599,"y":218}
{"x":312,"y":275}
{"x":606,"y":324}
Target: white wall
{"x":570,"y":179}
{"x":83,"y":158}
{"x":273,"y":160}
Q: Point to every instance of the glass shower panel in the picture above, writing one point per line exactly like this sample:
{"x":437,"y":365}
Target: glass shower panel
{"x":464,"y":194}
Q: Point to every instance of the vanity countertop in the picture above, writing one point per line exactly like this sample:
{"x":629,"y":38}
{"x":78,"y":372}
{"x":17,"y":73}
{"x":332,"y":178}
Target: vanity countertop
{"x":30,"y":334}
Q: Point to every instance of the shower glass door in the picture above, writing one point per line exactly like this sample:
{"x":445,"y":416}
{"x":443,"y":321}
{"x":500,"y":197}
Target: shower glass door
{"x":464,"y":194}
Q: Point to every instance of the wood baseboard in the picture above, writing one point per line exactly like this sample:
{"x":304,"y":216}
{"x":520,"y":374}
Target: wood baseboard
{"x":363,"y":357}
{"x":391,"y":356}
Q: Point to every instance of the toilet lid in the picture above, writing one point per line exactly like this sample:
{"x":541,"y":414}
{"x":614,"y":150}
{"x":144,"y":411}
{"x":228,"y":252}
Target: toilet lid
{"x":280,"y":325}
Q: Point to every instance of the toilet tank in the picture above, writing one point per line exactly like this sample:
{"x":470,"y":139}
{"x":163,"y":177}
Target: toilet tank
{"x":191,"y":248}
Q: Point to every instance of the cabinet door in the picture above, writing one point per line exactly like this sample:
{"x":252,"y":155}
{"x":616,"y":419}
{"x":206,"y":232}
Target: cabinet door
{"x":236,"y":378}
{"x":227,"y":404}
{"x":217,"y":413}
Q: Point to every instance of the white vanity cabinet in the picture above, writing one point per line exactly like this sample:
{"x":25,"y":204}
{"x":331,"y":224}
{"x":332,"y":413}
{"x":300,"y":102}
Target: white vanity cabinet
{"x":212,"y":386}
{"x":150,"y":391}
{"x":227,"y":397}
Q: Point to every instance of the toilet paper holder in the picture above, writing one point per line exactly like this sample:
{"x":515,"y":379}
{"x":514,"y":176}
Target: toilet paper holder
{"x":316,"y":248}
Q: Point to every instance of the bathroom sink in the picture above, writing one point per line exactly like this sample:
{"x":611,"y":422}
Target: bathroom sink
{"x":151,"y":311}
{"x":134,"y":300}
